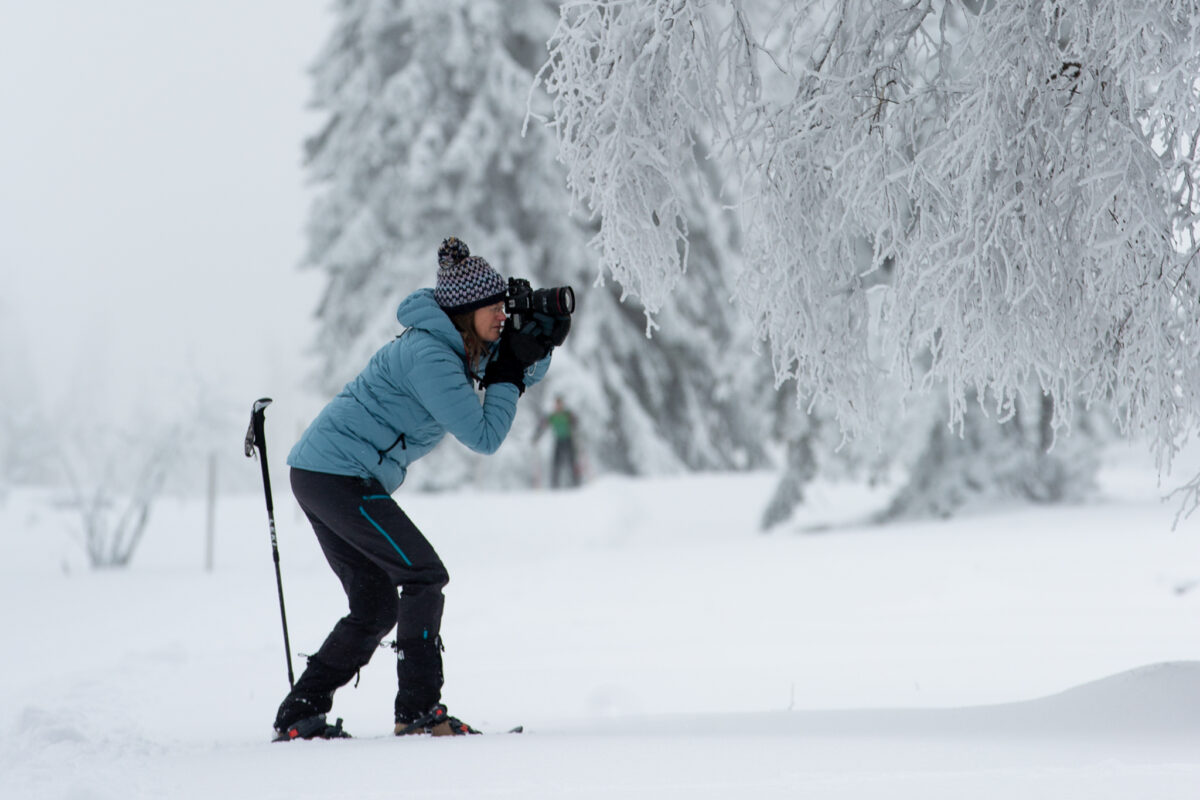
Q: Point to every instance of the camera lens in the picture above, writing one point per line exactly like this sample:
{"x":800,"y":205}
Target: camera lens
{"x":566,"y":300}
{"x":558,"y":301}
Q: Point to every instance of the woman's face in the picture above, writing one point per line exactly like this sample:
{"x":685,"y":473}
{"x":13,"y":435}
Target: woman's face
{"x":489,"y":321}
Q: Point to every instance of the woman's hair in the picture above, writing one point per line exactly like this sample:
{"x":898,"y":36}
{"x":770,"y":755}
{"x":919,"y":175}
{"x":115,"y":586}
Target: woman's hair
{"x":475,"y":347}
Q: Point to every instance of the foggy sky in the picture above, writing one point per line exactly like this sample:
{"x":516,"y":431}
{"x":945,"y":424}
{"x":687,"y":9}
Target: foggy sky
{"x":151,"y":193}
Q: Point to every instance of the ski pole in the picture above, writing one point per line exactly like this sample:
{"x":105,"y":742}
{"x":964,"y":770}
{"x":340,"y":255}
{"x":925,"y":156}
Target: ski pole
{"x":256,"y":438}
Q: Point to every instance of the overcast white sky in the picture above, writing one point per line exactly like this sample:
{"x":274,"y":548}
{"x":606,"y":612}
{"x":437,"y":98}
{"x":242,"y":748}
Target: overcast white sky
{"x":152,"y":197}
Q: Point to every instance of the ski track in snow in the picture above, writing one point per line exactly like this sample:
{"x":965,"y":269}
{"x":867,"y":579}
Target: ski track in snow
{"x":652,"y":641}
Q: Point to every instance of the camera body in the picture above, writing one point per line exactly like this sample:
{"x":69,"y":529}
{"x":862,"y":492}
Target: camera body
{"x":523,"y":301}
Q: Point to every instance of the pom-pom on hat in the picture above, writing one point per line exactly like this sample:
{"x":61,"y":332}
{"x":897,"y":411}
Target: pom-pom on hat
{"x":465,"y":282}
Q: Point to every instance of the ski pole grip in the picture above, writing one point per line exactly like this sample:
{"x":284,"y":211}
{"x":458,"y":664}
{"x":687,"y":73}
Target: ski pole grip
{"x":254,"y":433}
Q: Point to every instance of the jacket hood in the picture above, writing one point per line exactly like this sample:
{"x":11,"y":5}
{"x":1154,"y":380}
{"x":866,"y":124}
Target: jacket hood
{"x":419,"y":310}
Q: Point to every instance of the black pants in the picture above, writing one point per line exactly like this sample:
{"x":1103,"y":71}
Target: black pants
{"x":373,"y":548}
{"x":564,"y":462}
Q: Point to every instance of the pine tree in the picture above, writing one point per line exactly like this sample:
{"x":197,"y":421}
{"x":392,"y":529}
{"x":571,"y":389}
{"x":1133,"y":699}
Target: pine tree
{"x":679,"y":388}
{"x":427,"y":136}
{"x":425,"y":104}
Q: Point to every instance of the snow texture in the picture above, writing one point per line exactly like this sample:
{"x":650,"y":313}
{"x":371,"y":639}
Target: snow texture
{"x":651,"y":641}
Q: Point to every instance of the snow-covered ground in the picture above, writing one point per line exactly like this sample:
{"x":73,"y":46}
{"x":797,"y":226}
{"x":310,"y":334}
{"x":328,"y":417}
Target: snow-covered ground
{"x":651,"y":640}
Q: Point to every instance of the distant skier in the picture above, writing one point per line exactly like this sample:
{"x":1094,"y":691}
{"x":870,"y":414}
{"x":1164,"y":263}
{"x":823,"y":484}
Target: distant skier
{"x":565,"y":459}
{"x":414,"y":390}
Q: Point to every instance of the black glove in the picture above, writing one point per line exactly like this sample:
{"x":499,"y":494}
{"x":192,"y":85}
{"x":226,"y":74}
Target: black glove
{"x":552,"y":330}
{"x":516,"y":351}
{"x":528,"y":344}
{"x":559,"y":329}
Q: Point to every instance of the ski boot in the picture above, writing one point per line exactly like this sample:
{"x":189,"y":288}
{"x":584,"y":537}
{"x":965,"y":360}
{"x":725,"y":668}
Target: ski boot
{"x":434,"y":722}
{"x":314,"y":727}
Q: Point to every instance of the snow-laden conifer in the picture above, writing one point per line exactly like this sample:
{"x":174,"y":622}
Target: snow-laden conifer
{"x":426,"y":137}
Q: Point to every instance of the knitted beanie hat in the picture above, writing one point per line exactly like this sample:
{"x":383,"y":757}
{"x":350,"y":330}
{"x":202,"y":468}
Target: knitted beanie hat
{"x":465,"y":282}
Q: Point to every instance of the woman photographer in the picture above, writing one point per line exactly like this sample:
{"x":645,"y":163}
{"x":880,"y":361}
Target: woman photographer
{"x":356,"y":452}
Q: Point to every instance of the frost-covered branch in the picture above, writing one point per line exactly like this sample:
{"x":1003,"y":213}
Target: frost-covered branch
{"x":94,"y":476}
{"x":988,"y":198}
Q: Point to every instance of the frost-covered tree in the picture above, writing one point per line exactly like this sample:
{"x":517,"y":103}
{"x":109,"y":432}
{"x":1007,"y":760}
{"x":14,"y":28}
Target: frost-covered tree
{"x":114,"y":479}
{"x":683,"y":389}
{"x":115,"y":463}
{"x":426,"y":136}
{"x":986,"y":461}
{"x":1028,"y":168}
{"x":424,"y":103}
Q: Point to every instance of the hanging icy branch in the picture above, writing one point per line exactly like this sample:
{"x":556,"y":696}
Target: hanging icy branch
{"x":987,"y":198}
{"x":625,"y":88}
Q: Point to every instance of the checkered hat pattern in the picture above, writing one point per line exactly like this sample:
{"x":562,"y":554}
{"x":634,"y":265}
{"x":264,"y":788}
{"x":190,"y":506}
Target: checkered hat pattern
{"x":465,"y":282}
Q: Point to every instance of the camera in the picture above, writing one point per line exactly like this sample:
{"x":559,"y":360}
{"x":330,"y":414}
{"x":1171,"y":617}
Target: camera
{"x":522,"y":301}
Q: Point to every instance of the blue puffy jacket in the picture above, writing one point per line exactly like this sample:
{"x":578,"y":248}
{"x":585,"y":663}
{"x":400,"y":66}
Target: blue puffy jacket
{"x":414,"y":389}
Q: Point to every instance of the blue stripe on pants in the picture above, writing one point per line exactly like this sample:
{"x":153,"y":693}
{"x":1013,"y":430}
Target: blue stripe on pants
{"x":392,"y":542}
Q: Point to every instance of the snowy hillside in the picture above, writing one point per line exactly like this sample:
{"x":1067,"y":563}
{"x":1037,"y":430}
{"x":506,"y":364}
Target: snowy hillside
{"x":653,"y":643}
